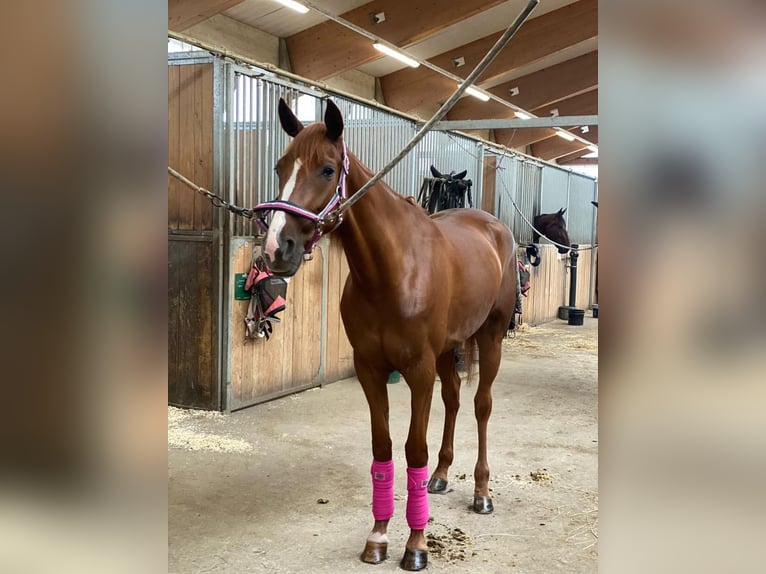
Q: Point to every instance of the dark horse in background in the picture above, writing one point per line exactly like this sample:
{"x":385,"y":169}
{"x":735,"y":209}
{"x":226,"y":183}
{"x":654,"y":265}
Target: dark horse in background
{"x":418,"y":286}
{"x":554,"y":227}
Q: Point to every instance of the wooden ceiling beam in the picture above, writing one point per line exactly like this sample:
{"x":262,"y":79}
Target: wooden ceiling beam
{"x":183,"y":14}
{"x":555,"y":147}
{"x":577,"y":158}
{"x":591,"y":135}
{"x":579,"y":105}
{"x":579,"y":161}
{"x":521,"y":138}
{"x":552,"y":84}
{"x":328,"y":49}
{"x":411,"y":89}
{"x":542,"y":88}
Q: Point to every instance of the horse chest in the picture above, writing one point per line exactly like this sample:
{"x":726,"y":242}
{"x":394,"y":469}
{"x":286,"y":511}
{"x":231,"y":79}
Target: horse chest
{"x":395,"y":329}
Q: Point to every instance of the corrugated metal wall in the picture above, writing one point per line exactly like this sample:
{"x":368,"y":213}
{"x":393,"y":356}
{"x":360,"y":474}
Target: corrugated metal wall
{"x":581,"y":214}
{"x":375,"y":137}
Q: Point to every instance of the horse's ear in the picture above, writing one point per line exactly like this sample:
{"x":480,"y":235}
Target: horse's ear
{"x":435,"y":173}
{"x":290,"y":123}
{"x":333,"y":120}
{"x":460,"y":175}
{"x":562,"y":211}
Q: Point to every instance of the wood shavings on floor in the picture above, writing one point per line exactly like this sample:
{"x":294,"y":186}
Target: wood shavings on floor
{"x":184,"y":433}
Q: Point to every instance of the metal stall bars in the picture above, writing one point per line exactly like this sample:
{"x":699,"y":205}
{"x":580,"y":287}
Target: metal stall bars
{"x":580,"y":210}
{"x":375,"y":136}
{"x":292,"y":359}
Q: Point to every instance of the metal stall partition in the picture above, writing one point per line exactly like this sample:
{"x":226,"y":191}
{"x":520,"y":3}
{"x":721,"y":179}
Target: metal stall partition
{"x":309,"y":347}
{"x":375,"y":137}
{"x":506,"y":172}
{"x":554,"y":192}
{"x":195,"y":84}
{"x":580,"y":212}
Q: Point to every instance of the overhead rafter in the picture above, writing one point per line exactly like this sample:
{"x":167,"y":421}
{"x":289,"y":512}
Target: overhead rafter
{"x":576,"y":158}
{"x":556,"y":147}
{"x":579,"y":161}
{"x":183,"y":14}
{"x":492,"y":124}
{"x":329,"y":49}
{"x":541,"y":88}
{"x":412,"y":90}
{"x":586,"y":103}
{"x":521,"y":138}
{"x":552,"y":84}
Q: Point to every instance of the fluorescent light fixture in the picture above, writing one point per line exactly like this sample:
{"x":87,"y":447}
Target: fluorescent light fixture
{"x":593,"y":148}
{"x":478,"y":94}
{"x":566,"y":135}
{"x":522,"y":116}
{"x":395,"y":54}
{"x":294,"y":5}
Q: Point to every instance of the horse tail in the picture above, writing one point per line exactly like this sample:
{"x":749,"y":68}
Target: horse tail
{"x":469,"y":351}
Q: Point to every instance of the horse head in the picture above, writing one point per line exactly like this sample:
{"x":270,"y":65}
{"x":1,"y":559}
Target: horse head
{"x":554,"y":227}
{"x":309,"y":173}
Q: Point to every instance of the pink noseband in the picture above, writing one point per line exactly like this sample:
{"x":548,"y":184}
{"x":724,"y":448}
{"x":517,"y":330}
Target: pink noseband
{"x":319,"y":219}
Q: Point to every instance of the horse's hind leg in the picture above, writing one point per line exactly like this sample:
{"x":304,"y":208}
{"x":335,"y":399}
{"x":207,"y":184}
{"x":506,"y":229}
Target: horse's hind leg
{"x":445,"y":367}
{"x":490,"y":340}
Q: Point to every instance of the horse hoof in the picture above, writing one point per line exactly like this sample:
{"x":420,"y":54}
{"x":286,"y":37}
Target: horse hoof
{"x":414,"y":560}
{"x":374,"y":553}
{"x":437,"y":485}
{"x":482,"y":504}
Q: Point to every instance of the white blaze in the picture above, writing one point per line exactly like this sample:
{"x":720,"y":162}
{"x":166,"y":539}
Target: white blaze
{"x":278,"y":219}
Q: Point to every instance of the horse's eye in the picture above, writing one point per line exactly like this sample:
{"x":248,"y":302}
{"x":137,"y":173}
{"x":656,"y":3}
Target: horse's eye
{"x":276,"y":170}
{"x":327,"y":171}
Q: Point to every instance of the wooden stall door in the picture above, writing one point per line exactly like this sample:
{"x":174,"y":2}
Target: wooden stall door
{"x":193,"y":379}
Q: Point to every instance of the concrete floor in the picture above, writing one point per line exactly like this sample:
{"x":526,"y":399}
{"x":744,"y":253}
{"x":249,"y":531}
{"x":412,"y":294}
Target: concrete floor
{"x":254,"y":507}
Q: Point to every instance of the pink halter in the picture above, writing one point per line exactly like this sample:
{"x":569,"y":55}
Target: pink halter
{"x":318,"y":218}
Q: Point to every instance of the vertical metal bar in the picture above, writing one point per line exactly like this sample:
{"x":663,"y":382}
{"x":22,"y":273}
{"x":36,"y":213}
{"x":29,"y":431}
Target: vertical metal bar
{"x":252,"y":171}
{"x":242,"y":143}
{"x":263,"y":131}
{"x":227,"y":159}
{"x":219,"y":283}
{"x":479,"y":190}
{"x":594,"y":223}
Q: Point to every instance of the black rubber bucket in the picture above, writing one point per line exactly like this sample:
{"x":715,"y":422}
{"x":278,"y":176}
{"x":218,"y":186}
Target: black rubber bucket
{"x":576,"y":316}
{"x":595,"y":311}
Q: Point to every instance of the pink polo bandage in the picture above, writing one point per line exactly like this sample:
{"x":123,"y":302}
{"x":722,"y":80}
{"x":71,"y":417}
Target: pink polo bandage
{"x":417,"y":497}
{"x":382,"y":489}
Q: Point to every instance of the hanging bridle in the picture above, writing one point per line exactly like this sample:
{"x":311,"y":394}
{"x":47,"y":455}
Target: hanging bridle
{"x":326,"y":221}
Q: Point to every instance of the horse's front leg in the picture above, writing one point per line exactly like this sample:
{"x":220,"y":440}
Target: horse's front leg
{"x":374,"y":383}
{"x":421,"y":382}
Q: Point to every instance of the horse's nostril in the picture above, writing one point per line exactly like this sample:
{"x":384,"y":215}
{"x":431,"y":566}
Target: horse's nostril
{"x":289,"y":246}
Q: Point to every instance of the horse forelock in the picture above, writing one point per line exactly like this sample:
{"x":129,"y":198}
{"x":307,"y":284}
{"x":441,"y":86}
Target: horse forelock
{"x":312,"y":146}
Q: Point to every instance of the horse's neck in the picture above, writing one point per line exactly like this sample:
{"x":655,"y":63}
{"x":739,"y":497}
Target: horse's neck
{"x":371,"y":234}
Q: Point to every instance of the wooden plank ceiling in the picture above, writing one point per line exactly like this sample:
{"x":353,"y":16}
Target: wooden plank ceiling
{"x":549,"y":67}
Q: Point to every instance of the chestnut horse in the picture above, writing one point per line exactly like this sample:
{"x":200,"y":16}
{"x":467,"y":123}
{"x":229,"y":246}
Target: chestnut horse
{"x":418,"y":287}
{"x":554,"y":227}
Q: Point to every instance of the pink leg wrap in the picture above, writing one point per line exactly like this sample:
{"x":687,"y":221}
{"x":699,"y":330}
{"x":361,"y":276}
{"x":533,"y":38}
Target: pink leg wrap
{"x":382,"y":489}
{"x":417,"y":497}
